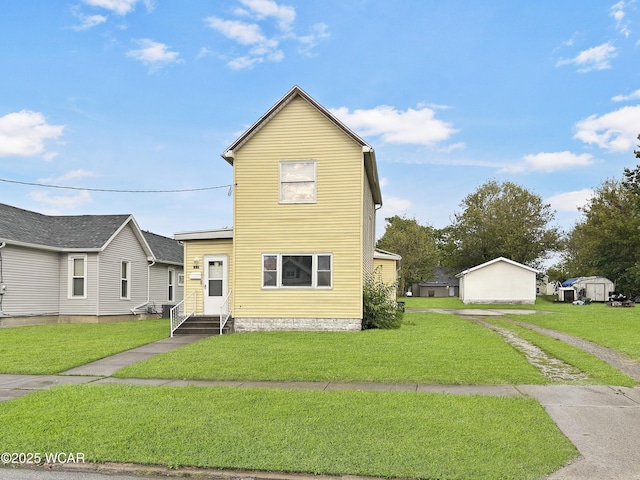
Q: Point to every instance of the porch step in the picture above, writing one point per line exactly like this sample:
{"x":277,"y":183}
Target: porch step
{"x":203,"y":325}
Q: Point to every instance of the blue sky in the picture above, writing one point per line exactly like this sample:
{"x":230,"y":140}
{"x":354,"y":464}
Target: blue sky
{"x":146,"y":95}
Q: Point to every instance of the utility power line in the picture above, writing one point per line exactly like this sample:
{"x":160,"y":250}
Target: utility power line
{"x":113,"y":190}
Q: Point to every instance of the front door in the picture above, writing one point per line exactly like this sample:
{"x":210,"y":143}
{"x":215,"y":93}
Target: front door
{"x":215,"y":283}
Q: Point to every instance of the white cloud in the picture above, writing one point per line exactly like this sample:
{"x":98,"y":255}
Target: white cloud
{"x":550,"y":162}
{"x":71,"y":175}
{"x":595,"y":58}
{"x":154,"y":55}
{"x":632,"y":96}
{"x":319,"y":31}
{"x":570,"y":201}
{"x":394,"y":206}
{"x":261,"y":9}
{"x":263,"y":47}
{"x":24,"y":133}
{"x":618,"y":14}
{"x":615,"y":131}
{"x":88,"y":21}
{"x":120,"y":7}
{"x":416,"y":127}
{"x":60,"y":204}
{"x":241,"y":32}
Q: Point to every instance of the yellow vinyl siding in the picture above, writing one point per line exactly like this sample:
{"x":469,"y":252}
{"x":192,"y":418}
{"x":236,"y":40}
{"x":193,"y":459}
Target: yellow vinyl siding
{"x":200,"y":248}
{"x":368,"y":227}
{"x":333,"y":224}
{"x":386,"y":268}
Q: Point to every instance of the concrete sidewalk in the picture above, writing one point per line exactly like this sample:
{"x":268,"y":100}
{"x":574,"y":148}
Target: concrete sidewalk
{"x":602,"y":422}
{"x":110,"y":365}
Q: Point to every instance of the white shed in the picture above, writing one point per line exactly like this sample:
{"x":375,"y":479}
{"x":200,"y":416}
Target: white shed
{"x":500,"y":280}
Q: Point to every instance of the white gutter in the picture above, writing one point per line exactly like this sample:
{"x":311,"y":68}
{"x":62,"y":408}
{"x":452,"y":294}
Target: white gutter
{"x":133,"y":310}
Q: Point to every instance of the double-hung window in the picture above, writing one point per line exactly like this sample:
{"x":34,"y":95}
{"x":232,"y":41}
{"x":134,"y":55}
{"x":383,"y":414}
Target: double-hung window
{"x":297,"y":270}
{"x":171,"y":280}
{"x":78,"y":276}
{"x":125,"y":280}
{"x":298,"y":181}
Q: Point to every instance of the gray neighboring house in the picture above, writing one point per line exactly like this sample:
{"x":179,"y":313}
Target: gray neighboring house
{"x":85,"y":268}
{"x":444,"y":283}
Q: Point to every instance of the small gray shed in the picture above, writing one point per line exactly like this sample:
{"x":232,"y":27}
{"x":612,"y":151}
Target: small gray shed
{"x":597,"y":288}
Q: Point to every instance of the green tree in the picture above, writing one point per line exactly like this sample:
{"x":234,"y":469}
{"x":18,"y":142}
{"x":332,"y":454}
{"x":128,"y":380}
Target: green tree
{"x":500,"y":220}
{"x":632,"y":180}
{"x":606,"y":241}
{"x":415,"y":243}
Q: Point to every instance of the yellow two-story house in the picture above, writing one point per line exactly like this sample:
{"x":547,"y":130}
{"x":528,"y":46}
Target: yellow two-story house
{"x":306,"y":191}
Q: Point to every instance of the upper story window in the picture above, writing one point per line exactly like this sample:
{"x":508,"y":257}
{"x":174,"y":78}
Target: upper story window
{"x":78,"y":276}
{"x":298,"y":181}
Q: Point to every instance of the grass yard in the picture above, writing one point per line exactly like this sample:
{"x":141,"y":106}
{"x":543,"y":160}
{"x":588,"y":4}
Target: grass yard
{"x":616,"y":328}
{"x":429,"y":348}
{"x":385,"y":434}
{"x":542,"y":303}
{"x":601,"y":373}
{"x":49,"y":349}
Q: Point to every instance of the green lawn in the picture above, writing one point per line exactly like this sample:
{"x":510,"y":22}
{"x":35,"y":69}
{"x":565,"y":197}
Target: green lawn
{"x":49,"y":349}
{"x":429,"y":348}
{"x":385,"y":434}
{"x":601,"y":373}
{"x":542,"y":303}
{"x":617,"y":328}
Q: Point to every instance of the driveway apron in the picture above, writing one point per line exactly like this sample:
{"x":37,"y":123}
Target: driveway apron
{"x":603,"y":422}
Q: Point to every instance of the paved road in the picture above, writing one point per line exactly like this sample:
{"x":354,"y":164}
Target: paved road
{"x":44,"y":474}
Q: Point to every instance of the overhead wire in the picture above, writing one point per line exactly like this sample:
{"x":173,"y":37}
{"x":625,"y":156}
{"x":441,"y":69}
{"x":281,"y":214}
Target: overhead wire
{"x":114,"y":190}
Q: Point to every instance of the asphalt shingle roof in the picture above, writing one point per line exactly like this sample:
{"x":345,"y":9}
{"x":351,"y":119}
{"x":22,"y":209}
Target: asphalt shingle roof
{"x":81,"y":231}
{"x":165,"y":249}
{"x":76,"y":232}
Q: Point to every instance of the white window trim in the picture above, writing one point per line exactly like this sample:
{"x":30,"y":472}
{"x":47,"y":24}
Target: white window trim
{"x":71,"y":276}
{"x":279,"y":272}
{"x":171,"y":286}
{"x":128,"y":279}
{"x":315,"y":181}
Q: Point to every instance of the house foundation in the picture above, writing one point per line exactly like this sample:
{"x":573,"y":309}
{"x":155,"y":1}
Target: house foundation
{"x":297,"y":324}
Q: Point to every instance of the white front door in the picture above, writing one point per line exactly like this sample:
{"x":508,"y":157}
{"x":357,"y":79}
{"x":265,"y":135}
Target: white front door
{"x":216,"y":283}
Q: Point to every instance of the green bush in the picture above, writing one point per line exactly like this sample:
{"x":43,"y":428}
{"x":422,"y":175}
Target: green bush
{"x":381,"y":310}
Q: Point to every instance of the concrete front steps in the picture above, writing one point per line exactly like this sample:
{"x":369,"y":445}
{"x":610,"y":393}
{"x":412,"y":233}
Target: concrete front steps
{"x":203,"y":325}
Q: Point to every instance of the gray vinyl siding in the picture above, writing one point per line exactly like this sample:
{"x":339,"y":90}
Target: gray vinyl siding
{"x":124,"y":247}
{"x":79,"y":306}
{"x":160,"y":285}
{"x":32,"y":281}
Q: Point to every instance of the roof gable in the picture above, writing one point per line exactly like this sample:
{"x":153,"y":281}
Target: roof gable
{"x":296,"y":92}
{"x":496,"y":260}
{"x":81,"y":232}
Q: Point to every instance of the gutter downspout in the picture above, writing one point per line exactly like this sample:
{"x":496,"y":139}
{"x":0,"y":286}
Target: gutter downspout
{"x":133,"y":310}
{"x":3,"y":287}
